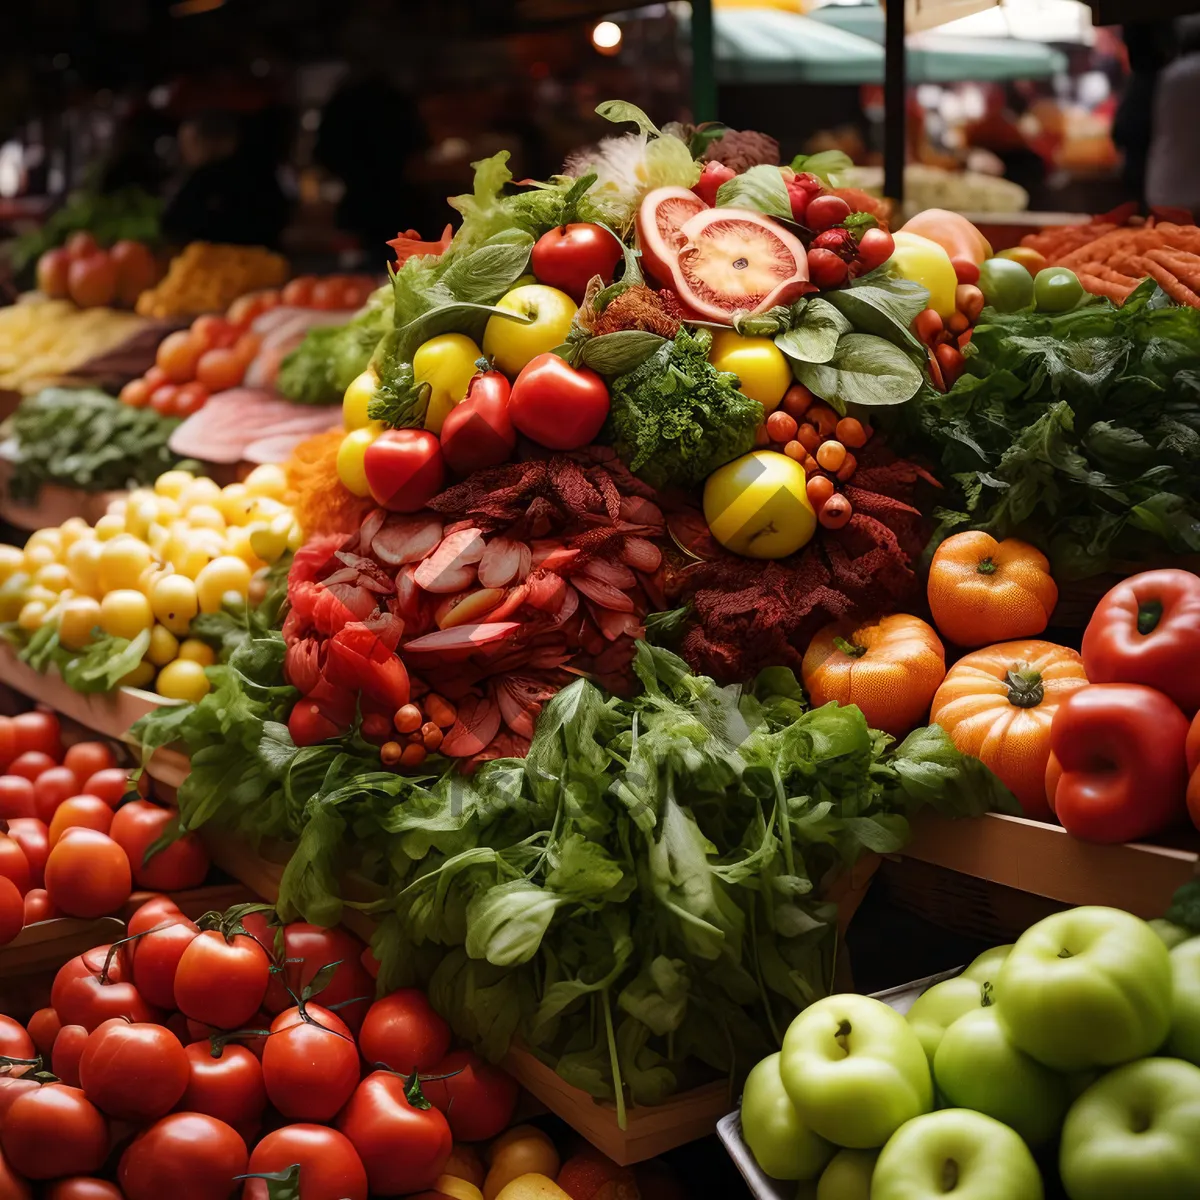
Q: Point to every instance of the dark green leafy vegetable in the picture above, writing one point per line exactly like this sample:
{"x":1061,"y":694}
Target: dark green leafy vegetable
{"x":676,"y":418}
{"x":127,"y":213}
{"x":98,"y":668}
{"x":1079,"y":431}
{"x":82,"y":438}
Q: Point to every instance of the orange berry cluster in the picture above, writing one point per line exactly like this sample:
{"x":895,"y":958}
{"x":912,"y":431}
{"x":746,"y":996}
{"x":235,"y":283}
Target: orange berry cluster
{"x":421,"y":725}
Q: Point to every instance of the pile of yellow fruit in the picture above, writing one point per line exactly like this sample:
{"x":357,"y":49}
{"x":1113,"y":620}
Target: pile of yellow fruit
{"x":157,"y":558}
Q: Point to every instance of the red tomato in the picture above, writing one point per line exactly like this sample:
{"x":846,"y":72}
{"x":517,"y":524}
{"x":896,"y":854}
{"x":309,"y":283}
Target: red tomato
{"x":92,"y":281}
{"x":327,"y":293}
{"x":875,"y":247}
{"x":80,"y":244}
{"x":403,"y":1147}
{"x":308,"y":948}
{"x":178,"y":354}
{"x":404,"y":469}
{"x":38,"y":730}
{"x":85,"y":994}
{"x":186,"y":1156}
{"x":43,"y":1028}
{"x":155,"y":378}
{"x":68,"y":1050}
{"x":477,"y":1098}
{"x":824,"y":212}
{"x":210,"y":329}
{"x":86,"y":758}
{"x":162,"y":399}
{"x":87,"y":874}
{"x":156,"y":955}
{"x":401,"y":1031}
{"x":246,"y":347}
{"x":152,"y":912}
{"x":34,"y":838}
{"x":14,"y":865}
{"x":111,"y":784}
{"x":12,"y":1086}
{"x":244,"y":309}
{"x":136,"y":393}
{"x":12,"y":911}
{"x":136,"y":271}
{"x":80,"y":812}
{"x":12,"y":1186}
{"x":298,"y":292}
{"x":133,"y":1072}
{"x":38,"y":906}
{"x":136,"y":826}
{"x":54,"y":1131}
{"x":29,"y":764}
{"x":222,"y":981}
{"x":51,"y":788}
{"x":82,"y":1187}
{"x":330,"y":1168}
{"x":309,"y":1064}
{"x":8,"y":742}
{"x":478,"y":433}
{"x":220,"y":370}
{"x":557,"y":405}
{"x":15,"y":1041}
{"x":251,"y":1039}
{"x":226,"y":1084}
{"x":190,"y":398}
{"x":16,"y":798}
{"x":568,"y":256}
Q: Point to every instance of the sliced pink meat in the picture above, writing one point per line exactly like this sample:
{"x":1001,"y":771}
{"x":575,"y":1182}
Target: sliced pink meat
{"x":232,"y":422}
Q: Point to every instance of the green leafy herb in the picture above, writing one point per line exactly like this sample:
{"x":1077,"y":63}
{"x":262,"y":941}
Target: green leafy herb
{"x":98,"y":668}
{"x":676,"y":418}
{"x":82,"y":438}
{"x":883,"y":305}
{"x":814,"y":336}
{"x":828,"y":165}
{"x":864,"y":369}
{"x":760,"y":188}
{"x":620,"y":352}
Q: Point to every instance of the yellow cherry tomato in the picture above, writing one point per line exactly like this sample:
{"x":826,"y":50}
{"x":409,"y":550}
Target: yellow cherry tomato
{"x":926,"y":263}
{"x":266,"y":509}
{"x":157,"y":537}
{"x":12,"y":595}
{"x":758,"y":505}
{"x":141,"y":676}
{"x":238,"y":543}
{"x":83,"y":562}
{"x":12,"y":560}
{"x":197,"y":651}
{"x":183,"y":679}
{"x":39,"y":555}
{"x":172,"y":483}
{"x":32,"y":615}
{"x":205,"y":516}
{"x":1032,"y":260}
{"x":761,"y":367}
{"x":199,"y":491}
{"x":356,"y":399}
{"x":547,"y":314}
{"x":268,"y":479}
{"x":77,"y":621}
{"x":164,"y":646}
{"x":221,"y":576}
{"x":234,"y":504}
{"x":125,"y":613}
{"x":189,"y":553}
{"x":53,"y":576}
{"x":36,"y":592}
{"x":174,"y":602}
{"x":122,"y":562}
{"x":72,"y":529}
{"x":350,"y":457}
{"x":51,"y":539}
{"x":109,"y":526}
{"x":140,"y":516}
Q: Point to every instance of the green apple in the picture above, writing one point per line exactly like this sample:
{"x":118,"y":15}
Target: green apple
{"x":848,"y":1176}
{"x":855,"y":1070}
{"x":939,"y":1007}
{"x":960,"y":1153}
{"x":1089,"y":987}
{"x":780,"y":1142}
{"x":546,"y":315}
{"x":1170,"y":933}
{"x":1185,"y":1001}
{"x":1135,"y":1134}
{"x":977,"y":1067}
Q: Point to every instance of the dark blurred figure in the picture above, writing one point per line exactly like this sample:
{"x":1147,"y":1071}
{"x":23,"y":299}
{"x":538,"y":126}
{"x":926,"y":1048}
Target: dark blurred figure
{"x":132,"y":160}
{"x":369,"y":130}
{"x":229,"y":191}
{"x":1173,"y":164}
{"x":1148,"y":47}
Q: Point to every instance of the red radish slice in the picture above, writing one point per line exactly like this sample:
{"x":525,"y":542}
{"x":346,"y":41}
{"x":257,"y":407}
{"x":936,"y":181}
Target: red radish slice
{"x":603,"y":594}
{"x":477,"y":724}
{"x":406,"y":539}
{"x":462,"y":640}
{"x":500,"y":562}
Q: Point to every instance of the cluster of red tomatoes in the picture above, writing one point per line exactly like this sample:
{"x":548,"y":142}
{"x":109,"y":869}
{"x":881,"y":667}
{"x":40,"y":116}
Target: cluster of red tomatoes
{"x":77,"y":838}
{"x":189,"y":1055}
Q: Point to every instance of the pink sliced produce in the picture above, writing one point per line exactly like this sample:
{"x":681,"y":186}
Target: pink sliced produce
{"x":406,"y":539}
{"x":462,"y":640}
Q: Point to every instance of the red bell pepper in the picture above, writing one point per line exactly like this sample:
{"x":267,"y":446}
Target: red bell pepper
{"x":1147,"y":630}
{"x":1117,"y":769}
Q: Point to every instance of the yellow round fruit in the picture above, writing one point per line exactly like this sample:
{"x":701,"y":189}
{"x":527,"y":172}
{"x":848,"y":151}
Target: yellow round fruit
{"x":763,"y":371}
{"x":141,"y":676}
{"x":157,"y":537}
{"x":548,"y":315}
{"x":35,"y":591}
{"x":350,"y":457}
{"x":32,"y":614}
{"x":168,"y":509}
{"x":758,"y":506}
{"x":51,"y":539}
{"x":77,"y":621}
{"x":39,"y":555}
{"x":266,"y":509}
{"x":72,"y":529}
{"x":918,"y":259}
{"x":188,"y":553}
{"x":183,"y":679}
{"x":125,"y":613}
{"x":12,"y":595}
{"x":53,"y":576}
{"x":199,"y":491}
{"x":356,"y":399}
{"x":109,"y":526}
{"x":234,"y":504}
{"x":164,"y":646}
{"x":268,"y":479}
{"x":150,"y":576}
{"x":122,"y":562}
{"x":174,"y":603}
{"x":12,"y":560}
{"x":222,"y":575}
{"x":83,"y":562}
{"x":237,"y":543}
{"x":195,"y":650}
{"x":140,"y":516}
{"x":206,"y":516}
{"x":172,"y":483}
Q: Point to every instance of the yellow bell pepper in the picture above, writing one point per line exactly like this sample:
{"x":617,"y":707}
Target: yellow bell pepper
{"x":447,"y":364}
{"x":926,"y":263}
{"x":761,"y":367}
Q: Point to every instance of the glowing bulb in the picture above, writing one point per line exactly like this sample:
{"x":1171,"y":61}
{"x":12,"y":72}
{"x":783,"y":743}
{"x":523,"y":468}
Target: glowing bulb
{"x":606,"y":37}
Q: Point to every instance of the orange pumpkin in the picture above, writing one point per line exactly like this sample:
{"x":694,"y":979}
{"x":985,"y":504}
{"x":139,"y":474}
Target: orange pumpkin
{"x":983,"y":591}
{"x":890,"y":669}
{"x":998,"y":704}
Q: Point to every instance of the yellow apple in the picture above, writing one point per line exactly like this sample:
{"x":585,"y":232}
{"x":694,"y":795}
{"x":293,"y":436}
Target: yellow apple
{"x":758,"y":505}
{"x":548,"y":312}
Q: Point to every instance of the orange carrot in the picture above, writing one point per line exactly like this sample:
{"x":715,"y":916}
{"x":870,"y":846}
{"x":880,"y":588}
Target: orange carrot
{"x":1170,"y":283}
{"x":1102,"y":287}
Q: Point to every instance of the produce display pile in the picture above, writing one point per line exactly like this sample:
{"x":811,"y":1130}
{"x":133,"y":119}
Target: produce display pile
{"x":637,"y":560}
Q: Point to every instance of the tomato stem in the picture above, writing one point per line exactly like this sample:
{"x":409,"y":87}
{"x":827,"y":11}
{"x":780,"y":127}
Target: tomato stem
{"x":985,"y":566}
{"x":1025,"y":688}
{"x":848,"y":648}
{"x":1148,"y":616}
{"x":413,"y":1093}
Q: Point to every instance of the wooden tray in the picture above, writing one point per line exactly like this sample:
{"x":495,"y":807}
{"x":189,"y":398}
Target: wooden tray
{"x":54,"y":505}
